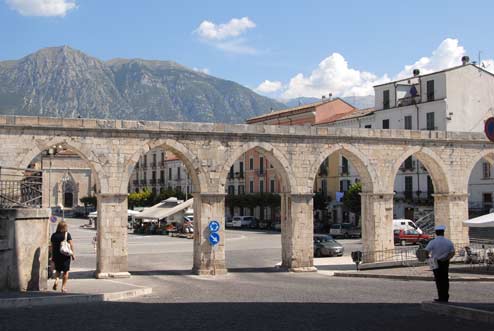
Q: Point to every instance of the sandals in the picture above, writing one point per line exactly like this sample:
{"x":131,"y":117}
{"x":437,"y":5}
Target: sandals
{"x":55,"y":286}
{"x":64,"y":290}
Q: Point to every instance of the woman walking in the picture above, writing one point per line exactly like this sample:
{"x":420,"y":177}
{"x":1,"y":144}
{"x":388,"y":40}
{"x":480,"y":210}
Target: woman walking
{"x":62,"y":257}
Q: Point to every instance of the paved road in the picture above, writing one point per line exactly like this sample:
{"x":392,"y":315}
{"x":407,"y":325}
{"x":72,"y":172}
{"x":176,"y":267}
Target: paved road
{"x":243,"y":299}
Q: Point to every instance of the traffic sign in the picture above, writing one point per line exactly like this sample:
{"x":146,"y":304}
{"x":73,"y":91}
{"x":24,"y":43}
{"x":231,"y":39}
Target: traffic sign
{"x":53,"y":219}
{"x":214,"y":238}
{"x":489,"y":128}
{"x":214,"y":226}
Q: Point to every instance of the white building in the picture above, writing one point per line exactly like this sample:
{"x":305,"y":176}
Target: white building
{"x":456,"y":99}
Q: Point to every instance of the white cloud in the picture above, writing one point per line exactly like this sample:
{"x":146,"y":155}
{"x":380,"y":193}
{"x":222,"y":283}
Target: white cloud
{"x":447,"y":55}
{"x":42,"y":7}
{"x":227,"y":36}
{"x":269,"y":87}
{"x":203,"y":70}
{"x":234,"y":28}
{"x":334,"y":75}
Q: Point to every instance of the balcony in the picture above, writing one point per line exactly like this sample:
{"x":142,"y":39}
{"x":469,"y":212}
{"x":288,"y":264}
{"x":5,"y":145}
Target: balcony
{"x":135,"y":182}
{"x":143,"y":182}
{"x":153,"y":165}
{"x":153,"y":181}
{"x":162,"y":163}
{"x":162,"y":181}
{"x":415,"y":197}
{"x":144,"y":166}
{"x":407,"y":101}
{"x":260,"y":172}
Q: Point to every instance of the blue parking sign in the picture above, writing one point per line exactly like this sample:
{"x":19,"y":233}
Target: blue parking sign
{"x":214,"y":226}
{"x":214,"y":238}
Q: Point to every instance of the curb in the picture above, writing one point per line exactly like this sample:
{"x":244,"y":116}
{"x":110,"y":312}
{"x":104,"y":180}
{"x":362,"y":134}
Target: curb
{"x":73,"y":298}
{"x":421,"y":278}
{"x":467,"y":313}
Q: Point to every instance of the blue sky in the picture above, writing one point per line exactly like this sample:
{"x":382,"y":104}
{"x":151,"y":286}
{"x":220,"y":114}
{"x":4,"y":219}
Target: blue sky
{"x":295,"y":47}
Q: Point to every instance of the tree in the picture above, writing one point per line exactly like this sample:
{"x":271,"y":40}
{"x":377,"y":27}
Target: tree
{"x":321,"y":201}
{"x":89,"y":201}
{"x":352,"y":200}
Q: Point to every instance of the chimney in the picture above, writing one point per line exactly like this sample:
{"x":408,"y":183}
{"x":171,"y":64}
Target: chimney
{"x":416,"y":72}
{"x":323,"y":98}
{"x":330,"y":96}
{"x":465,"y":60}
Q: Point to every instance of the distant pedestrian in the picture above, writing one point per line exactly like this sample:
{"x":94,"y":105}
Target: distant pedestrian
{"x":62,"y":258}
{"x":441,"y":250}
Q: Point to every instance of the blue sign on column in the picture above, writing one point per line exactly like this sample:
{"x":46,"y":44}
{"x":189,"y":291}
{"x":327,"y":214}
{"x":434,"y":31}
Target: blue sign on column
{"x":214,"y":226}
{"x":214,"y":238}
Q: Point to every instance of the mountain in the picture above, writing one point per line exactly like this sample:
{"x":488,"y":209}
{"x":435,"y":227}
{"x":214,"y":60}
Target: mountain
{"x":64,"y":82}
{"x":361,"y":102}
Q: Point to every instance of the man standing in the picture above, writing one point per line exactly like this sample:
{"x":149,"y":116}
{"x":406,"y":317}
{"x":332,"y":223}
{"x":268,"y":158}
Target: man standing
{"x":441,"y":250}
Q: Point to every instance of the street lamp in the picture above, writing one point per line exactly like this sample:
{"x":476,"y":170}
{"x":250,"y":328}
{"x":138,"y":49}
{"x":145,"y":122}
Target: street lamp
{"x":65,"y":182}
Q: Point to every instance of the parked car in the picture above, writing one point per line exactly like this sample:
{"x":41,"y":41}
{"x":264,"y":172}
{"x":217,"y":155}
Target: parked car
{"x":345,"y":230}
{"x":325,"y":245}
{"x":410,"y":236}
{"x":228,"y":222}
{"x":244,"y":222}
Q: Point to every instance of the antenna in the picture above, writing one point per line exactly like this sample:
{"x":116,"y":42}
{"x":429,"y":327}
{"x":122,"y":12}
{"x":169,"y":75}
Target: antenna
{"x":480,"y":52}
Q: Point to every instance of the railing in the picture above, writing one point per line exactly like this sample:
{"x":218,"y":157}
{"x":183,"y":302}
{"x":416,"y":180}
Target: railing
{"x":153,"y":165}
{"x":21,"y":188}
{"x":407,"y":101}
{"x":474,"y":257}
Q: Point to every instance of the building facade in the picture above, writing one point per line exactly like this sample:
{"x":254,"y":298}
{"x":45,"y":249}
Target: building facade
{"x":455,"y":99}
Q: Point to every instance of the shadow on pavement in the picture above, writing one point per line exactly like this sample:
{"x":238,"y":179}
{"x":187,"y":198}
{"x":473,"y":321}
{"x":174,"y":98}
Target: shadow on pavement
{"x":233,"y":316}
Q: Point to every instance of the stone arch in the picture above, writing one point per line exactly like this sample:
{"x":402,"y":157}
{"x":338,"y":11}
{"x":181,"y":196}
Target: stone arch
{"x":487,"y":154}
{"x":274,"y":156}
{"x":79,"y":148}
{"x":433,"y":163}
{"x":366,"y":171}
{"x":191,"y":162}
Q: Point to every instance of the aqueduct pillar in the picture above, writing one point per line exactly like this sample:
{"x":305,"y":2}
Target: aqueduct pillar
{"x":112,"y":256}
{"x":297,"y":232}
{"x":208,"y":259}
{"x":451,"y":209}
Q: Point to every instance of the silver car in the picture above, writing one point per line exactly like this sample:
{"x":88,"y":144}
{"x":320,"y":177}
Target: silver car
{"x":325,"y":245}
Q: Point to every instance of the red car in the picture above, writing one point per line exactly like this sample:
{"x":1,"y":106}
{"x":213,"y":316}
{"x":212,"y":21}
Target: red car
{"x":404,"y":237}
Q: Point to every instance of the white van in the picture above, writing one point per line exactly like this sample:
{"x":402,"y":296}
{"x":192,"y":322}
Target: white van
{"x":404,"y":224}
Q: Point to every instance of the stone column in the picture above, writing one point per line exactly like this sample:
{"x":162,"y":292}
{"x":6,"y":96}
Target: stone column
{"x":451,"y":209}
{"x":297,"y":233}
{"x":377,"y":223}
{"x":112,"y":256}
{"x":208,"y":260}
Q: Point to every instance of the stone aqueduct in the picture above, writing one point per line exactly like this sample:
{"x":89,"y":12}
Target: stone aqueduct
{"x":112,"y":148}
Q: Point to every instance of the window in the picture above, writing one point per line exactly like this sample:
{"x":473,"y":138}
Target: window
{"x":154,"y":158}
{"x":241,"y":189}
{"x":178,"y":188}
{"x":487,"y":200}
{"x":344,"y":185}
{"x":241,"y":169}
{"x":430,"y":121}
{"x":385,"y":124}
{"x":169,"y":173}
{"x":178,"y":173}
{"x":261,"y":186}
{"x":324,"y":187}
{"x":231,"y":189}
{"x":261,"y":165}
{"x":486,"y":170}
{"x":368,"y":126}
{"x":430,"y":187}
{"x":162,"y":176}
{"x":344,"y":165}
{"x":430,"y":90}
{"x":408,"y":187}
{"x":153,"y":175}
{"x":251,"y":186}
{"x":251,"y":163}
{"x":271,"y":186}
{"x":162,"y":157}
{"x":408,"y":122}
{"x":386,"y":99}
{"x":230,"y":175}
{"x":145,"y":160}
{"x":409,"y":163}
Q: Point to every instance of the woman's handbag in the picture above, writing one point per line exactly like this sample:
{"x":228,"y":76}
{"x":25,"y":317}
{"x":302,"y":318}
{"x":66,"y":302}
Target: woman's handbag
{"x":65,"y":247}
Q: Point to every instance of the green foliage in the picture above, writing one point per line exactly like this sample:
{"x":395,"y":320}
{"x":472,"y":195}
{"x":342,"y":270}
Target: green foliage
{"x":89,"y":201}
{"x":146,"y":198}
{"x":352,"y":200}
{"x":253,"y":200}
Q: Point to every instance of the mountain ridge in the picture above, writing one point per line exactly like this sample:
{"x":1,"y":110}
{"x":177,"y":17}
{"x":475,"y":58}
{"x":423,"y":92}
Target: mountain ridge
{"x":65,"y":82}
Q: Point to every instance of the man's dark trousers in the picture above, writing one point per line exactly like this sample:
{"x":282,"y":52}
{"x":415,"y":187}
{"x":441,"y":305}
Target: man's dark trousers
{"x":442,"y":280}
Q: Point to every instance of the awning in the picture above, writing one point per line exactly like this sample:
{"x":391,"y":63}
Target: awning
{"x":163,"y":209}
{"x":94,"y":214}
{"x":484,"y":221}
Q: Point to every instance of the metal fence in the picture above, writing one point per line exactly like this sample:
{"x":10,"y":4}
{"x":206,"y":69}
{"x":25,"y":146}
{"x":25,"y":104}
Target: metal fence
{"x":473,"y":257}
{"x":20,"y":188}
